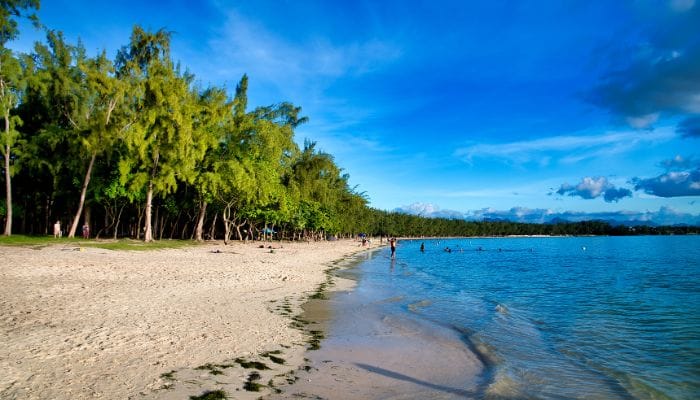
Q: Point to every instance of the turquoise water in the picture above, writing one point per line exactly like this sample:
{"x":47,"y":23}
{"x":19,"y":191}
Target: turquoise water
{"x":592,"y":317}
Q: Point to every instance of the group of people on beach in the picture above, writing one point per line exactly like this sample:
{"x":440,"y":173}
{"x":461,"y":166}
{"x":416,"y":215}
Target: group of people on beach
{"x":392,"y":243}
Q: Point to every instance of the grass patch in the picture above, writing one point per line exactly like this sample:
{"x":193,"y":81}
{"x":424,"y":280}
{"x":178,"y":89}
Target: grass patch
{"x":251,"y":364}
{"x":211,"y":395}
{"x":130,"y":244}
{"x":121,"y":244}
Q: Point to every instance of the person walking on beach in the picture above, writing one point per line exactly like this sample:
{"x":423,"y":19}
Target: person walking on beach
{"x":57,"y":229}
{"x":392,"y":243}
{"x":86,"y":231}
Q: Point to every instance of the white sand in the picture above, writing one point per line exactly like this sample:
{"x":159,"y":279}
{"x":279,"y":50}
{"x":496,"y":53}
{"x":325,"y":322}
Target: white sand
{"x":99,"y":323}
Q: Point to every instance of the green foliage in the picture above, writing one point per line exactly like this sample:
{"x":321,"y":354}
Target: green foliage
{"x":11,"y":9}
{"x":12,"y":84}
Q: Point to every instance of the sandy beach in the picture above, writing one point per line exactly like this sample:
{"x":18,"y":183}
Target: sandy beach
{"x":92,"y":323}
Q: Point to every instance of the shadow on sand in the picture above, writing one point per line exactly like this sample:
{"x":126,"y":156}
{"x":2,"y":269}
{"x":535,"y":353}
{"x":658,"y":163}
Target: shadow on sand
{"x":406,"y":378}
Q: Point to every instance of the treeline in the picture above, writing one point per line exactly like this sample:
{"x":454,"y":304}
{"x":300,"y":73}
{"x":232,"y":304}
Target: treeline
{"x":405,"y":225}
{"x":135,"y":147}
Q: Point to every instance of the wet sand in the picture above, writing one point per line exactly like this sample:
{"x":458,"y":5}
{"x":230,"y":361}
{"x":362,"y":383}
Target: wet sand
{"x":369,"y":354}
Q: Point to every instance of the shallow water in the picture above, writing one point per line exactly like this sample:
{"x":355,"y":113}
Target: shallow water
{"x":592,"y":317}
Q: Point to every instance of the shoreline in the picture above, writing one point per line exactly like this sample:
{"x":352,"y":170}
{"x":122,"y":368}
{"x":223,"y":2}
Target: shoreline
{"x":371,"y":352}
{"x":89,"y":322}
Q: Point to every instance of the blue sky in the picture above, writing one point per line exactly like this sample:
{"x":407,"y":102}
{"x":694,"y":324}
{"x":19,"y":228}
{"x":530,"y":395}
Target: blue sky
{"x":528,"y":110}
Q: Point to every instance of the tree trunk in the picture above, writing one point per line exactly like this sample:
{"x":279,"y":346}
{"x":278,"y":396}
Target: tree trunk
{"x":212,"y":232}
{"x":200,"y":222}
{"x":224,"y":217}
{"x":47,"y":214}
{"x":116,"y":225}
{"x":8,"y":185}
{"x":238,"y":231}
{"x":138,"y":224}
{"x":148,"y":232}
{"x":183,"y":231}
{"x":161,"y":220}
{"x":155,"y":220}
{"x":86,"y":182}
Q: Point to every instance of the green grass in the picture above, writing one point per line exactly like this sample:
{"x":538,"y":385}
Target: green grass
{"x":109,"y":244}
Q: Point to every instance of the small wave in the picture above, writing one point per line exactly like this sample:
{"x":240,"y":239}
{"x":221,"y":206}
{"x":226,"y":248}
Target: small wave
{"x":501,"y":309}
{"x":395,"y":299}
{"x":503,"y":387}
{"x":421,"y":304}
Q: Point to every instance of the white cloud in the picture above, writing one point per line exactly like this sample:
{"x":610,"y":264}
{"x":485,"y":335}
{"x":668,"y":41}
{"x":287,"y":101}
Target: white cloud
{"x":429,"y":210}
{"x":592,"y":188}
{"x":682,"y":5}
{"x":663,"y":216}
{"x":671,"y":184}
{"x":249,"y":46}
{"x":643,"y":121}
{"x":566,"y":148}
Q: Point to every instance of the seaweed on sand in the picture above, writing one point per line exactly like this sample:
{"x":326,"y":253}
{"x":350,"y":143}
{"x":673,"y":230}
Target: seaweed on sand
{"x":211,"y":395}
{"x":251,"y":385}
{"x":251,"y":364}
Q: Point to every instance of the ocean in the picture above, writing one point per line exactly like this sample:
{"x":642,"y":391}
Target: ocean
{"x":554,"y":317}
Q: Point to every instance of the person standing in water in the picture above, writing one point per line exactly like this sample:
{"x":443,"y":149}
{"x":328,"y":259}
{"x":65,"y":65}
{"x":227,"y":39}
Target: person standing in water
{"x":392,"y":243}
